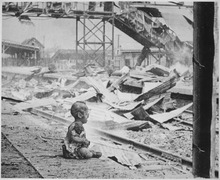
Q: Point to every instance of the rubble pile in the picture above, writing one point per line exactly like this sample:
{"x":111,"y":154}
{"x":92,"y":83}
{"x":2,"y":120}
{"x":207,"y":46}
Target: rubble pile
{"x":138,"y":101}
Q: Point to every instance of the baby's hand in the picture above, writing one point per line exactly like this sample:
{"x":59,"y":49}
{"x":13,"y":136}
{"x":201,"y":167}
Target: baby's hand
{"x":86,"y":143}
{"x":82,"y":134}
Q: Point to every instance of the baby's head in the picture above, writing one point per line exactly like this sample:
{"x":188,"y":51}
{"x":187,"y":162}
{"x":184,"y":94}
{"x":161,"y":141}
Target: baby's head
{"x":80,"y":111}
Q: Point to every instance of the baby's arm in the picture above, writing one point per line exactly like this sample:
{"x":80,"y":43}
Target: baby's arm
{"x":74,"y":137}
{"x":77,"y":134}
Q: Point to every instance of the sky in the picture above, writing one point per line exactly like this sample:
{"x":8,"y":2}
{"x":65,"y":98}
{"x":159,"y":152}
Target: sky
{"x":55,"y":32}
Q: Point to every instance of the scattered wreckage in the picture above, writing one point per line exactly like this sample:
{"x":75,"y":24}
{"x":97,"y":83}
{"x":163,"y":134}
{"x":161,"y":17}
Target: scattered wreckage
{"x":123,"y":101}
{"x":125,"y":97}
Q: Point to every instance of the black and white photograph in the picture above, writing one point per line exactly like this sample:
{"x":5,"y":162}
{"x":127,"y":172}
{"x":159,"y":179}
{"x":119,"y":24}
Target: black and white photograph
{"x":110,"y":89}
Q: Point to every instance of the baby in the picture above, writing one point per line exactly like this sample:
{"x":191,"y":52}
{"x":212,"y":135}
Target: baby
{"x":75,"y":143}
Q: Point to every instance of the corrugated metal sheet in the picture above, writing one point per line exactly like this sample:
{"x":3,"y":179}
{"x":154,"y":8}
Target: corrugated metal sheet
{"x":174,"y":18}
{"x":123,"y":153}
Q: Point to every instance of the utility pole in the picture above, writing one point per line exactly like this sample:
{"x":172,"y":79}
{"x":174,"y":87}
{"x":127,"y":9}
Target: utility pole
{"x":43,"y":58}
{"x":118,"y":48}
{"x":203,"y":60}
{"x":118,"y":40}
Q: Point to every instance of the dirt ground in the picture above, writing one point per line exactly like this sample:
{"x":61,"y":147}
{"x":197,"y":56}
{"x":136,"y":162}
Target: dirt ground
{"x":40,"y":140}
{"x":13,"y":165}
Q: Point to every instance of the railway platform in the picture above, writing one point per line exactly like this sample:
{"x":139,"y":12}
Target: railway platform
{"x":38,"y":140}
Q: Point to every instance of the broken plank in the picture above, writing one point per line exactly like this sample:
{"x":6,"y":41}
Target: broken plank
{"x":133,"y":125}
{"x":157,"y":70}
{"x":145,"y":107}
{"x":163,"y":117}
{"x":85,"y":96}
{"x":171,"y":82}
{"x":127,"y":107}
{"x":117,"y":82}
{"x":122,"y":153}
{"x":102,"y":115}
{"x":123,"y":96}
{"x":170,"y":127}
{"x":148,"y":105}
{"x":156,"y":167}
{"x":34,"y":103}
{"x":99,"y":87}
{"x":140,"y":113}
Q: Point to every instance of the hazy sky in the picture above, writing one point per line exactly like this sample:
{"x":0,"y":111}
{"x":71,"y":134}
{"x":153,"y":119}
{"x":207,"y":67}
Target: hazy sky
{"x":57,"y":32}
{"x":62,"y":32}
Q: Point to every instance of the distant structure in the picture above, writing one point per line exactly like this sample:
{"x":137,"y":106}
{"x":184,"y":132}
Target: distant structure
{"x":167,"y":26}
{"x":129,"y":58}
{"x":34,"y":42}
{"x":70,"y":59}
{"x":27,"y":53}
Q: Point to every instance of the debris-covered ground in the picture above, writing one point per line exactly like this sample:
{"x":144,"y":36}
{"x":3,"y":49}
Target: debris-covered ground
{"x":13,"y":165}
{"x":137,"y":104}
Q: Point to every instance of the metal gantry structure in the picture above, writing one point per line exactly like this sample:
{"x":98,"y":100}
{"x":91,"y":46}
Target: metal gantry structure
{"x":142,"y":22}
{"x":94,"y":36}
{"x":89,"y":23}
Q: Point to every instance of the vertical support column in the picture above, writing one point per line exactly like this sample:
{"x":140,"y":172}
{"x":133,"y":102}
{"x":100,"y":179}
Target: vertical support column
{"x":35,"y":59}
{"x":3,"y":53}
{"x":203,"y":86}
{"x":113,"y":33}
{"x":103,"y":44}
{"x":84,"y":33}
{"x":144,"y":53}
{"x":84,"y":38}
{"x":77,"y":43}
{"x":214,"y":93}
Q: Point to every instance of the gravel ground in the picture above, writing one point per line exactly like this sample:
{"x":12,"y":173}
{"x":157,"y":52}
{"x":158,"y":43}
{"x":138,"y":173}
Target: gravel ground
{"x":176,"y":142}
{"x":13,"y":165}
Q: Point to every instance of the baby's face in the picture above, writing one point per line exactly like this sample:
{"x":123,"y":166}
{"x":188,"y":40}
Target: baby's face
{"x":85,"y":117}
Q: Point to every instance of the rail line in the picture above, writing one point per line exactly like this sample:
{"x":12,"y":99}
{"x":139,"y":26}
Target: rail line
{"x":155,"y":152}
{"x":152,"y":150}
{"x":40,"y":175}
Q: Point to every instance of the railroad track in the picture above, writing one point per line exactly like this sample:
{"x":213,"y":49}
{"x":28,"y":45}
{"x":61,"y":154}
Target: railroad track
{"x":163,"y":155}
{"x":166,"y":158}
{"x":22,"y":155}
{"x":152,"y":151}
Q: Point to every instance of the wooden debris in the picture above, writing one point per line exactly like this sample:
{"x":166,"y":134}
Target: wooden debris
{"x":21,"y":95}
{"x":10,"y":81}
{"x":163,"y":117}
{"x":115,"y":84}
{"x":123,"y":154}
{"x":140,"y":113}
{"x":34,"y":103}
{"x":128,"y":107}
{"x":82,"y":97}
{"x":145,"y":107}
{"x":123,"y":96}
{"x":131,"y":85}
{"x":99,"y":87}
{"x":148,"y":105}
{"x":158,"y":70}
{"x":140,"y":127}
{"x":41,"y":95}
{"x":171,"y":82}
{"x":170,"y":127}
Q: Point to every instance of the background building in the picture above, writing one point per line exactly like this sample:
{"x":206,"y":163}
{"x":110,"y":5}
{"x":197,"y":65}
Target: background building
{"x":27,"y":53}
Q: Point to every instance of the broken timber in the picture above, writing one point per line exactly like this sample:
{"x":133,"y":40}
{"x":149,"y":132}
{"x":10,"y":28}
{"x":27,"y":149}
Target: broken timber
{"x":116,"y":83}
{"x":98,"y":86}
{"x":171,"y":82}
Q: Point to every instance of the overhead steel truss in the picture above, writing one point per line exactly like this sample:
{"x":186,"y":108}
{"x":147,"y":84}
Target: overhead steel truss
{"x":90,"y":41}
{"x":92,"y":22}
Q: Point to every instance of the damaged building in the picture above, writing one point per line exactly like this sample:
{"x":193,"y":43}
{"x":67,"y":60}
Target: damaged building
{"x":152,"y":111}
